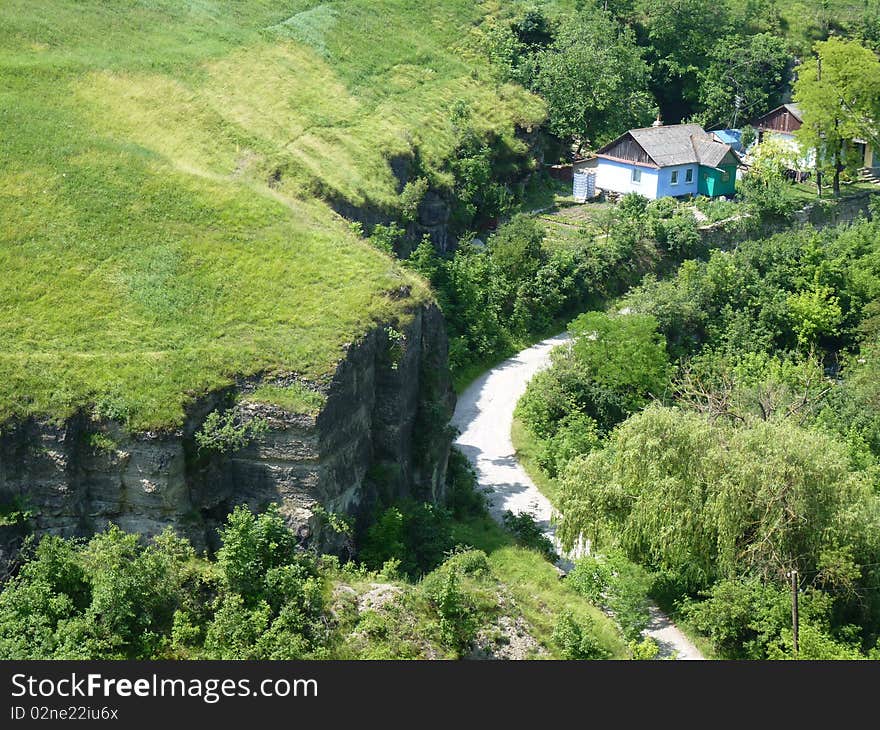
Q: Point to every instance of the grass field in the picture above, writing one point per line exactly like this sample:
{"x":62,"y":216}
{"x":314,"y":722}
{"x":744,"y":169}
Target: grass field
{"x":163,"y":171}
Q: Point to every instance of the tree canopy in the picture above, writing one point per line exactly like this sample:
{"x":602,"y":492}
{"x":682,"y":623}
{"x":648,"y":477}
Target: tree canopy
{"x":839,"y":94}
{"x":594,"y":79}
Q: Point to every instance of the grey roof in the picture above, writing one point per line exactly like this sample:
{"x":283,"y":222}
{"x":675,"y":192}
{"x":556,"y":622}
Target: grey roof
{"x":795,"y":110}
{"x":710,"y":151}
{"x":680,"y":144}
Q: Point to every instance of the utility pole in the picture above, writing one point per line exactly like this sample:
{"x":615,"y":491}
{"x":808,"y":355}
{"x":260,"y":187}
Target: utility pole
{"x":816,"y":151}
{"x":794,"y":610}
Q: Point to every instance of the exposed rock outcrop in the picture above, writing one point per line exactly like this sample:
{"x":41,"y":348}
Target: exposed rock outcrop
{"x":383,"y":430}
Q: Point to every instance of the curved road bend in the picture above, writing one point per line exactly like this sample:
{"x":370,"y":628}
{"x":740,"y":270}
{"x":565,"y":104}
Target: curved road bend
{"x":484,"y":416}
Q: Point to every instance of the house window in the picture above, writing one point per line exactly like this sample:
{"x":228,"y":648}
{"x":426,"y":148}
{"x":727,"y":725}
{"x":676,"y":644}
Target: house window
{"x":689,"y":175}
{"x":725,"y":176}
{"x":637,"y":175}
{"x":673,"y":180}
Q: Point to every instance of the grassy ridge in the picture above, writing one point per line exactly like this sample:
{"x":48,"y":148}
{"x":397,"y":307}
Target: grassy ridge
{"x":161,"y":176}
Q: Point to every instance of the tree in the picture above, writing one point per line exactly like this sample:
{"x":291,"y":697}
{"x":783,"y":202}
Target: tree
{"x":681,"y":34}
{"x":839,"y":95}
{"x":705,"y":500}
{"x":745,"y":74}
{"x":594,"y":79}
{"x":623,"y":352}
{"x":765,"y":187}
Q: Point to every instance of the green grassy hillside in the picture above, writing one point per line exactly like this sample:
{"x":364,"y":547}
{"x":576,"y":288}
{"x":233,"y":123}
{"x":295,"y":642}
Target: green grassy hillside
{"x":162,"y":169}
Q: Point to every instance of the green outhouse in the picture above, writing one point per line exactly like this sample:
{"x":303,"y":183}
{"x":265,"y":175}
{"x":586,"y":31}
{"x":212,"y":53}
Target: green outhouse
{"x":719,"y":180}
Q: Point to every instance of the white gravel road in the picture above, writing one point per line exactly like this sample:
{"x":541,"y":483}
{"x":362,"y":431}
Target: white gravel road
{"x":484,"y":415}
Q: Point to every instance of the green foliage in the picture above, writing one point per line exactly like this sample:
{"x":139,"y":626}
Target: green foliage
{"x":574,"y":435}
{"x":615,"y":365}
{"x":593,"y":58}
{"x":815,"y":313}
{"x":838,"y":104}
{"x":529,"y":534}
{"x":644,"y":650}
{"x":411,"y":197}
{"x":456,"y":609}
{"x":742,"y":300}
{"x":680,"y":237}
{"x":623,"y":353}
{"x":681,"y":36}
{"x":252,"y":546}
{"x":386,"y":238}
{"x":227,"y":431}
{"x":680,"y":493}
{"x":748,"y":619}
{"x":765,"y":188}
{"x":417,"y":534}
{"x":576,"y":639}
{"x":618,"y":585}
{"x":462,"y":496}
{"x":116,"y":597}
{"x":14,"y":512}
{"x":516,"y":286}
{"x":745,"y":75}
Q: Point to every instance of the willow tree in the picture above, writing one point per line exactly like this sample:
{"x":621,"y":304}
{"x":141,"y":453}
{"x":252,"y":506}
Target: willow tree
{"x":839,"y":95}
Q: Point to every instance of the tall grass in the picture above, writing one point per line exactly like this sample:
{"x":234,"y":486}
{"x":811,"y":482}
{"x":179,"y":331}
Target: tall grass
{"x":164,"y":169}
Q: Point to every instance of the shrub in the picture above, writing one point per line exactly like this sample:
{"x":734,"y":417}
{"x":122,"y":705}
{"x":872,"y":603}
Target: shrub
{"x":251,"y":547}
{"x":228,"y":431}
{"x":644,"y":650}
{"x":576,"y":435}
{"x":528,"y":534}
{"x":457,"y":610}
{"x":415,"y":533}
{"x":577,"y":640}
{"x":468,"y":562}
{"x":462,"y":496}
{"x":618,"y":585}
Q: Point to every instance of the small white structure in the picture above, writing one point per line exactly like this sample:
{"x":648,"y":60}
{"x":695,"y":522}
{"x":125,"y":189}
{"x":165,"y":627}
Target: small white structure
{"x":584,"y":185}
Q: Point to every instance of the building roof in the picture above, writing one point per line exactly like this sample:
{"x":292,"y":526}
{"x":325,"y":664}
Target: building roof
{"x":733,"y":137}
{"x":784,"y":118}
{"x":675,"y":144}
{"x":795,"y":111}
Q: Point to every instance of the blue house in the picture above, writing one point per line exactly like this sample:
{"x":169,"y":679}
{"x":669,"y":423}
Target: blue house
{"x":667,"y":161}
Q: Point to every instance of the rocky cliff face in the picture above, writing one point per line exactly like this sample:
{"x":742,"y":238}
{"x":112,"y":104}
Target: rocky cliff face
{"x":381,"y":432}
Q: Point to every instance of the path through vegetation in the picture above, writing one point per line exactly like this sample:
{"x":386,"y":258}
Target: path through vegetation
{"x":484,"y":415}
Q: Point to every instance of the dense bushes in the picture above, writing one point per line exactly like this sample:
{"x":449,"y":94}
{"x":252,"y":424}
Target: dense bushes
{"x":705,"y":499}
{"x":618,"y":585}
{"x":517,"y":286}
{"x":416,"y":534}
{"x":112,"y":597}
{"x":795,"y":290}
{"x":577,"y":639}
{"x":529,"y":534}
{"x":615,"y":365}
{"x":760,"y":456}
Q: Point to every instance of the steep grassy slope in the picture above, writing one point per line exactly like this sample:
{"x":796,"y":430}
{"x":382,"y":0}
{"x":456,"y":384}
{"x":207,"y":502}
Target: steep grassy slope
{"x":162,"y":170}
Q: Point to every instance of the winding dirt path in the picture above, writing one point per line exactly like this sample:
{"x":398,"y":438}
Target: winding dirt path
{"x":484,"y":416}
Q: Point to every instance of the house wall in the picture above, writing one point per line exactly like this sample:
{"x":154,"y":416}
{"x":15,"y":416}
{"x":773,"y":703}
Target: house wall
{"x":617,"y":177}
{"x":711,"y":183}
{"x":779,"y":120}
{"x":665,"y":186}
{"x":872,"y":157}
